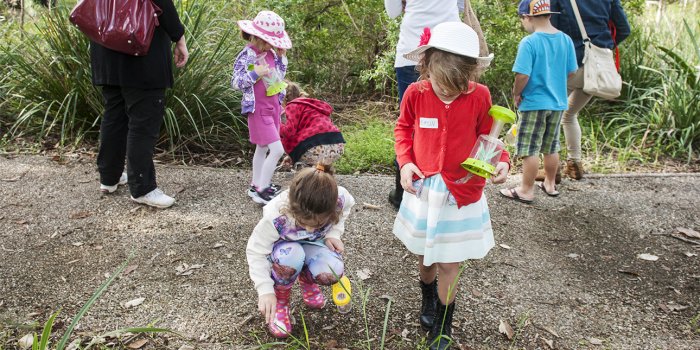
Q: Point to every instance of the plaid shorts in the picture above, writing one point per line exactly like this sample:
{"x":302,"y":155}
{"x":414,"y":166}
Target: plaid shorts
{"x":538,"y":132}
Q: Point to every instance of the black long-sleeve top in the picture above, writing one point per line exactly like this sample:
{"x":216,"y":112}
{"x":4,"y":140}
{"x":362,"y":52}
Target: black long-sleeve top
{"x":152,"y":71}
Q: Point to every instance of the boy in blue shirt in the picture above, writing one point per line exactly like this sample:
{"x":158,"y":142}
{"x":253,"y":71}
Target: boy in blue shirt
{"x":545,"y":59}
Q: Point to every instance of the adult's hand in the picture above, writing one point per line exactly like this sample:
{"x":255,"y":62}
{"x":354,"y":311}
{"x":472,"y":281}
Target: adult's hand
{"x":180,"y":52}
{"x":407,"y":172}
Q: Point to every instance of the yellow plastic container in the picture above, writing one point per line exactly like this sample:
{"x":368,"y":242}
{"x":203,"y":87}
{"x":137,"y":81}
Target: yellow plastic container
{"x":342,"y":293}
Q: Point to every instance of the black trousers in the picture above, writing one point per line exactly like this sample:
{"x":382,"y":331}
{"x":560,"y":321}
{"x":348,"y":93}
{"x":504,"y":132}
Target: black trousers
{"x":130,"y":129}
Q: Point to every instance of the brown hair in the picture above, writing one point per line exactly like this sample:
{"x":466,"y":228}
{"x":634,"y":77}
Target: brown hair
{"x":313,"y":197}
{"x":453,"y":73}
{"x":256,"y":41}
{"x":293,"y":92}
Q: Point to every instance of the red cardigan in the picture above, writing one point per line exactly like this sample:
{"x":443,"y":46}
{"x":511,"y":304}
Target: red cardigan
{"x":447,"y":137}
{"x":308,"y":124}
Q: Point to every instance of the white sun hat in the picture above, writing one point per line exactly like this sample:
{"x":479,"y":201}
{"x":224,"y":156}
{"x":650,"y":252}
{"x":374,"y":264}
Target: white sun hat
{"x":268,"y":26}
{"x":454,"y":37}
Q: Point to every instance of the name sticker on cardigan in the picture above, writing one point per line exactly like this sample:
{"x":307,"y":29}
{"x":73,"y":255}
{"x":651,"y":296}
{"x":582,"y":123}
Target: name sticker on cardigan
{"x":428,"y":123}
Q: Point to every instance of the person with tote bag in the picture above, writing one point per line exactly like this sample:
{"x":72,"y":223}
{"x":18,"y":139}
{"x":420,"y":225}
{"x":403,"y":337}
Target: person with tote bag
{"x":591,"y":29}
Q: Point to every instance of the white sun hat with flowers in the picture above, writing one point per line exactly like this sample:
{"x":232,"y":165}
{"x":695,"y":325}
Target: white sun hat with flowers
{"x":454,"y":37}
{"x":268,"y":26}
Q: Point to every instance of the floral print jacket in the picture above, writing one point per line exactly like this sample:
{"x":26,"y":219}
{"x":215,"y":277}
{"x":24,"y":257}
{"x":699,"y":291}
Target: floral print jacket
{"x":243,"y":79}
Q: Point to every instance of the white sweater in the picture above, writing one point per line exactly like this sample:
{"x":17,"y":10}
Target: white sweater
{"x":265,"y":235}
{"x":418,"y":15}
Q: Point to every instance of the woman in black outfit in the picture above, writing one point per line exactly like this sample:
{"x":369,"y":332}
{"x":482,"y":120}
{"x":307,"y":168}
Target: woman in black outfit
{"x":133,"y":90}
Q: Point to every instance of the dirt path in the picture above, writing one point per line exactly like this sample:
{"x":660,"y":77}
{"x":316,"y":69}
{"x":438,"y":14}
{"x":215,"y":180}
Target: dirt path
{"x":567,"y":270}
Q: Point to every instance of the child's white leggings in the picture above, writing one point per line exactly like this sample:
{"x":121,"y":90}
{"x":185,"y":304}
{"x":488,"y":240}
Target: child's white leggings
{"x":264,"y":164}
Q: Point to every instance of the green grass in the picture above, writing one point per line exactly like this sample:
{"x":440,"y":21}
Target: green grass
{"x":369,"y":147}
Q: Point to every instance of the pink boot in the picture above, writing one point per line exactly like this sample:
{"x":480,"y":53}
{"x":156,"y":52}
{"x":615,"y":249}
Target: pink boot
{"x":310,"y":291}
{"x":281,"y":327}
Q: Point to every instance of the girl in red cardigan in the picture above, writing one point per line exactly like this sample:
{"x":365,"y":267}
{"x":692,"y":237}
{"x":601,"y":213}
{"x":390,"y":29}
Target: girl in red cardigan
{"x":308,"y":135}
{"x":441,"y":219}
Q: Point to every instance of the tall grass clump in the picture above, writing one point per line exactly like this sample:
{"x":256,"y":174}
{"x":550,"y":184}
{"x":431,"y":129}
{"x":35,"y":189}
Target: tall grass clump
{"x":661,"y":113}
{"x":50,"y":91}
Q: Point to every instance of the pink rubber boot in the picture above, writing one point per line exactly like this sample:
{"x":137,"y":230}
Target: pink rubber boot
{"x":310,"y":291}
{"x":281,"y":326}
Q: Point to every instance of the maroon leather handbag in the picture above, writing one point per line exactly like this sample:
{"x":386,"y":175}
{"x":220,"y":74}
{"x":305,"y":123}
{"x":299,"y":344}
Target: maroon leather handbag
{"x":126,"y":26}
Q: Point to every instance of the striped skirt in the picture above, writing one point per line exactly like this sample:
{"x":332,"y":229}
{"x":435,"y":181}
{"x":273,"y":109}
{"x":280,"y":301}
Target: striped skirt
{"x":434,"y":227}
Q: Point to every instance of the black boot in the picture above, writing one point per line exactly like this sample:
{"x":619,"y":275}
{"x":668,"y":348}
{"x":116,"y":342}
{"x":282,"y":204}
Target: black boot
{"x":396,"y":194}
{"x":442,"y":326}
{"x":428,"y":304}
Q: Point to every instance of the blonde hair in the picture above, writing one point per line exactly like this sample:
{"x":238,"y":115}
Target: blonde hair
{"x":293,"y":91}
{"x":313,"y":197}
{"x":453,"y":73}
{"x":259,"y":44}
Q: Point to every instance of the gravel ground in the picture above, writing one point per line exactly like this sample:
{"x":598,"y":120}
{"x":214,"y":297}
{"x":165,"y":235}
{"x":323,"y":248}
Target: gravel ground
{"x":566,"y":272}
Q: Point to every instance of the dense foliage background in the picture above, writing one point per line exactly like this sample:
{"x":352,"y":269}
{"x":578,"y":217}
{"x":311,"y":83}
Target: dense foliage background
{"x":343,"y":51}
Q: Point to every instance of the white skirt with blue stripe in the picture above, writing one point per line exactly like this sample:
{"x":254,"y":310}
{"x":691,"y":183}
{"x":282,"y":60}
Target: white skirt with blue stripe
{"x":440,"y":231}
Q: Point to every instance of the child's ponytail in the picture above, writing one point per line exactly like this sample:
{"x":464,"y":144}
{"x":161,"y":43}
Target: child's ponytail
{"x":313,"y":196}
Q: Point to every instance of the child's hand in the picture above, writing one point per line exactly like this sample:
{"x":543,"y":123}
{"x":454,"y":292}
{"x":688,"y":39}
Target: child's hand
{"x":267,"y":305}
{"x":407,"y":172}
{"x":517,"y":99}
{"x":335,"y":245}
{"x":501,"y":173}
{"x":261,"y":70}
{"x":281,"y":52}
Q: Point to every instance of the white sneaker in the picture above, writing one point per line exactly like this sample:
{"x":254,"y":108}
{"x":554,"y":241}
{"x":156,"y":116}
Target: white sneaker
{"x":155,"y":198}
{"x":110,"y":189}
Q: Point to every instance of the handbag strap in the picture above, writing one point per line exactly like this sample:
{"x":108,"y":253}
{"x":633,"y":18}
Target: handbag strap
{"x":584,"y":35}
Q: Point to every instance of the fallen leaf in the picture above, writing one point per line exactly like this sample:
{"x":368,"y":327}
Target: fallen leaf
{"x":690,"y":255}
{"x":506,"y":329}
{"x":129,"y":269}
{"x":595,"y":341}
{"x":363,"y":274}
{"x":550,"y":331}
{"x":477,"y":294}
{"x":371,"y":206}
{"x":21,"y":222}
{"x":688,"y":232}
{"x":628,"y":272}
{"x":78,"y":244}
{"x":217,"y":245}
{"x":80,"y":215}
{"x":572,"y":255}
{"x":208,"y":227}
{"x":134,"y":303}
{"x":549,"y":343}
{"x":26,"y":341}
{"x":670,"y":307}
{"x":648,"y":257}
{"x":186,"y":347}
{"x":404,"y":333}
{"x":505,"y":246}
{"x":137,"y":344}
{"x":186,"y":270}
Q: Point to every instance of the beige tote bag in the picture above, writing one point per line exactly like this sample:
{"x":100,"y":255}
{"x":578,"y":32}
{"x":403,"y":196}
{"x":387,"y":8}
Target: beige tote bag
{"x":600,"y":76}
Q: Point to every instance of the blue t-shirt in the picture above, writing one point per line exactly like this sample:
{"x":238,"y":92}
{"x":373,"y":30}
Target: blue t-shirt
{"x":547,"y":59}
